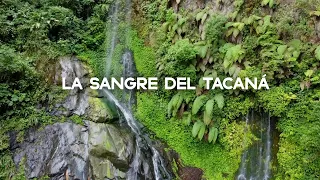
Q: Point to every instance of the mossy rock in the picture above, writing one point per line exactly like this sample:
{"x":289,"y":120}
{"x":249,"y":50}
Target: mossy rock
{"x":108,"y":143}
{"x":99,"y":111}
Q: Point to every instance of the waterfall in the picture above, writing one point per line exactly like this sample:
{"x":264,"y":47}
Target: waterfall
{"x":112,"y":39}
{"x":144,"y":150}
{"x":256,"y":159}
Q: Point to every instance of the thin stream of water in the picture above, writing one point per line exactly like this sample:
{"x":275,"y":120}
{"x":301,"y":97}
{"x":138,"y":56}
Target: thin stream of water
{"x":256,"y":159}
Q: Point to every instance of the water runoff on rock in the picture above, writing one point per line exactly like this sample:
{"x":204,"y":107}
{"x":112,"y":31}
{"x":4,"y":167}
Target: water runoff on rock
{"x":256,"y":160}
{"x":147,"y":162}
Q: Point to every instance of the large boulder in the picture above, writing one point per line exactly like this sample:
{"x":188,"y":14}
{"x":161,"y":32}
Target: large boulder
{"x":110,"y":150}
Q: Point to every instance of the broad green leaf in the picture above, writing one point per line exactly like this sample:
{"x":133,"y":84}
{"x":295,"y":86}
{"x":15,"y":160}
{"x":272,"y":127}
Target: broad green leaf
{"x":220,"y":100}
{"x":296,"y":43}
{"x":271,"y":2}
{"x":203,"y":51}
{"x":181,"y":21}
{"x":187,"y":118}
{"x":204,"y":17}
{"x":315,"y":13}
{"x":213,"y":135}
{"x":317,"y":52}
{"x":196,"y":128}
{"x":232,"y":69}
{"x":308,"y":73}
{"x":175,"y":27}
{"x":177,"y":105}
{"x":209,"y":108}
{"x":199,"y":15}
{"x":173,"y":102}
{"x":226,"y":63}
{"x":235,"y":32}
{"x":202,"y":83}
{"x":240,"y":27}
{"x":264,"y":2}
{"x":198,"y":103}
{"x":229,"y":24}
{"x":281,"y":49}
{"x":296,"y":54}
{"x":206,"y":118}
{"x":201,"y":131}
{"x":229,"y":32}
{"x":165,"y":26}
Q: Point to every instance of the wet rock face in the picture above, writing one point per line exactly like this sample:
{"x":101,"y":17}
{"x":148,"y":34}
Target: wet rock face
{"x":94,"y":151}
{"x":71,"y":68}
{"x":56,"y":150}
{"x":110,"y":150}
{"x":62,"y":150}
{"x":85,"y":102}
{"x":224,"y":7}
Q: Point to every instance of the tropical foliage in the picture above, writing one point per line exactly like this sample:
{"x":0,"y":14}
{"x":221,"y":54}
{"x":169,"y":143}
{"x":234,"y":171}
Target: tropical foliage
{"x":168,"y":38}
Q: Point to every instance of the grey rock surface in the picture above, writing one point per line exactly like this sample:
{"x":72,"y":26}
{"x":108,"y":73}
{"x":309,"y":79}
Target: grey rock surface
{"x":80,"y":101}
{"x":63,"y":150}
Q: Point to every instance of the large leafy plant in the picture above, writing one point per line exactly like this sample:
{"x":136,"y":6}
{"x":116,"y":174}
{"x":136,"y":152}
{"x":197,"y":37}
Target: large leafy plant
{"x":190,"y":107}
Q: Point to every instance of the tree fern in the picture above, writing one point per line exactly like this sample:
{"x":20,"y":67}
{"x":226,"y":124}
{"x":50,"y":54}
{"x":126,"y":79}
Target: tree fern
{"x":198,"y":103}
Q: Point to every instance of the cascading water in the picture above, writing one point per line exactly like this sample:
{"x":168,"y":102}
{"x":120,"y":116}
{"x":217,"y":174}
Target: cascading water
{"x":112,"y":38}
{"x":146,"y":157}
{"x":256,"y":160}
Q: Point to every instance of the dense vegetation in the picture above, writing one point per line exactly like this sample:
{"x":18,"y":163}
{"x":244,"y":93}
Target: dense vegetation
{"x":33,"y":35}
{"x":167,"y":39}
{"x":255,"y":38}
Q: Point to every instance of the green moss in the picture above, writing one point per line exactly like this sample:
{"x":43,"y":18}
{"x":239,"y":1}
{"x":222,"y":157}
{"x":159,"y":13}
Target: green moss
{"x":99,"y":111}
{"x":144,"y":57}
{"x":77,"y":119}
{"x":8,"y":169}
{"x":299,"y":143}
{"x":96,"y":61}
{"x":275,"y":100}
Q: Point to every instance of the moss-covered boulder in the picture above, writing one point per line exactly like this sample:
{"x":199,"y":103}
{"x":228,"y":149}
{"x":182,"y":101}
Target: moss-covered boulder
{"x":99,"y":111}
{"x":110,"y":150}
